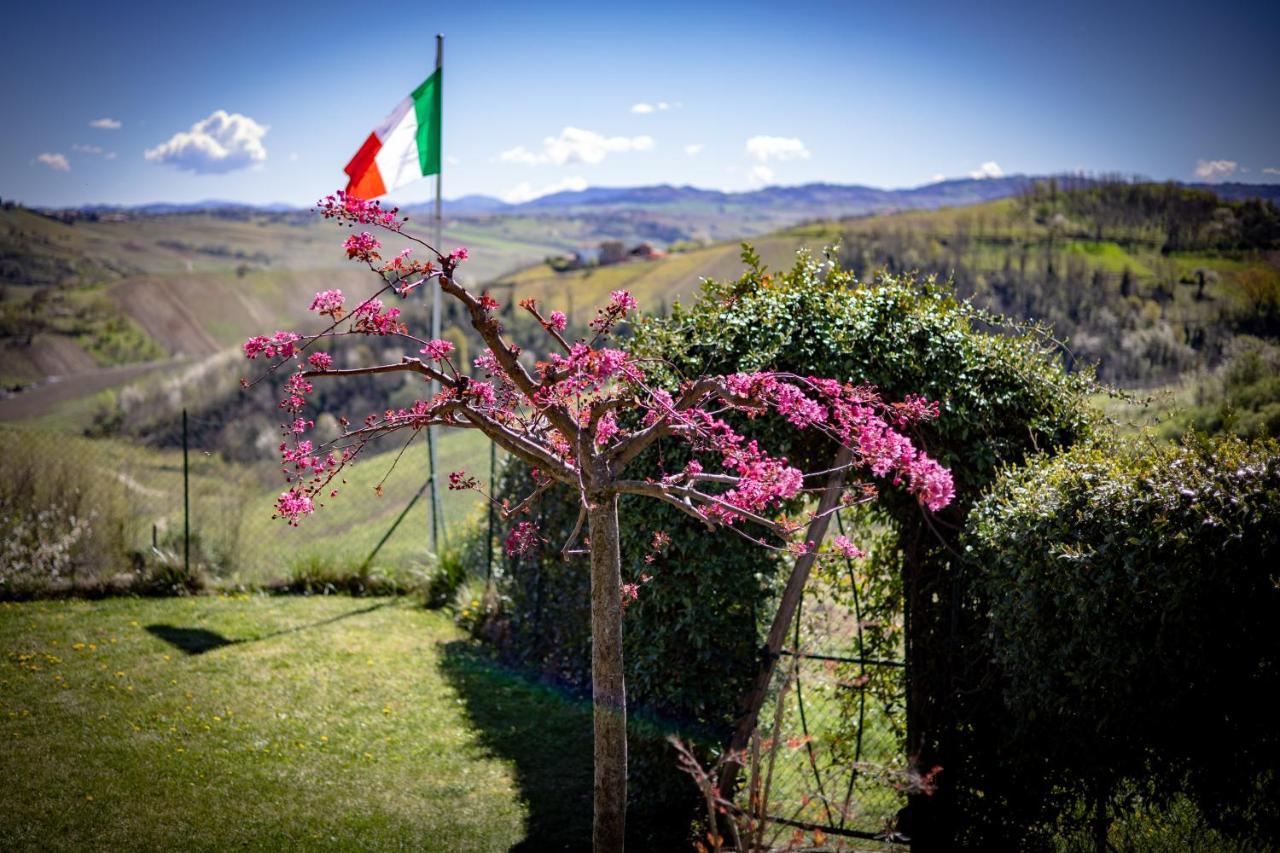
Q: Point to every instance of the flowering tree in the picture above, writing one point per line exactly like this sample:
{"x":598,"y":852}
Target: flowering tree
{"x":578,"y":416}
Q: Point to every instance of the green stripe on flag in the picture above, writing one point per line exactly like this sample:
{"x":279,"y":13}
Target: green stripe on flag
{"x":426,"y":103}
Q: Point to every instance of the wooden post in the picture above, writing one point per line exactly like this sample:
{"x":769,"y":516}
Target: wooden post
{"x":782,"y":619}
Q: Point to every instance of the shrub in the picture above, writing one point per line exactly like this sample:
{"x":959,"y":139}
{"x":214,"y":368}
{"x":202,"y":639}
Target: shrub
{"x":319,"y":574}
{"x":63,"y":526}
{"x":1133,"y":595}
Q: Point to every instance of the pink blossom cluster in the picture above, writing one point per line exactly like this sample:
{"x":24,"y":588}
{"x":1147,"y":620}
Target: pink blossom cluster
{"x":462,"y":481}
{"x":437,"y":349}
{"x":293,"y":504}
{"x":363,"y":246}
{"x":621,"y":303}
{"x":280,"y":344}
{"x":296,"y":389}
{"x":458,"y":255}
{"x":372,"y":318}
{"x":353,"y":210}
{"x":606,"y":428}
{"x":320,"y":360}
{"x":843,"y":546}
{"x":557,"y":320}
{"x":522,"y":538}
{"x":329,"y":302}
{"x":596,"y":365}
{"x":856,"y":417}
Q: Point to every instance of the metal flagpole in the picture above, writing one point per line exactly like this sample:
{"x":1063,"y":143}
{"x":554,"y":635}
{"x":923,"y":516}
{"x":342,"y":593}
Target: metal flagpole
{"x":436,"y":515}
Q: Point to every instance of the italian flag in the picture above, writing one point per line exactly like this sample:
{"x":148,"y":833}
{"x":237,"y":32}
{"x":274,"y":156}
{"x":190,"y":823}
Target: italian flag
{"x":404,"y":148}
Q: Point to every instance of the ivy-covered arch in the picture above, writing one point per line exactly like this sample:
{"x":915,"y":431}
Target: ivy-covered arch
{"x":692,"y":638}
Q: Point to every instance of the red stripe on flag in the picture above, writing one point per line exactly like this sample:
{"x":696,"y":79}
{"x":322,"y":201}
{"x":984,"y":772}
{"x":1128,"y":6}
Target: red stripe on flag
{"x":365,"y":180}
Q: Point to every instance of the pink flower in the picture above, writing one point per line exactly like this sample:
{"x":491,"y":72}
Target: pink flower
{"x":293,"y":504}
{"x":363,"y":246}
{"x":843,"y":546}
{"x":522,"y":538}
{"x":437,"y":349}
{"x":348,"y":208}
{"x":320,"y":360}
{"x":329,"y":302}
{"x":606,"y":428}
{"x":458,"y":254}
{"x":460,"y":481}
{"x":558,"y":321}
{"x":280,"y":344}
{"x":623,"y":301}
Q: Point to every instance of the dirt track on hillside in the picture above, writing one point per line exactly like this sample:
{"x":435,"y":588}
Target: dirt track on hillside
{"x":56,"y":390}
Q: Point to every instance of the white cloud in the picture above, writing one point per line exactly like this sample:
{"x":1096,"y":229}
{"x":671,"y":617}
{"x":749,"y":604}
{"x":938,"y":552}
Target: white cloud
{"x":106,"y":123}
{"x":1215,"y":170}
{"x":223,"y":142}
{"x":87,"y":149}
{"x":57,"y":162}
{"x":644,"y":108}
{"x":1271,"y":170}
{"x":989,"y":169}
{"x":293,"y":156}
{"x":693,"y":149}
{"x":575,"y":145}
{"x":524,"y":191}
{"x":938,"y":176}
{"x":451,"y":160}
{"x":761,"y":174}
{"x":766,"y":148}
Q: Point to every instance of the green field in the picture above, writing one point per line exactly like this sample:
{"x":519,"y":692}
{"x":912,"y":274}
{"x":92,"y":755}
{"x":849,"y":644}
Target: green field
{"x":268,"y":723}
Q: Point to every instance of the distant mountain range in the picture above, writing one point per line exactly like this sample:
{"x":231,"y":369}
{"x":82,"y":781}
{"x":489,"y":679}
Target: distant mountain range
{"x":817,"y":200}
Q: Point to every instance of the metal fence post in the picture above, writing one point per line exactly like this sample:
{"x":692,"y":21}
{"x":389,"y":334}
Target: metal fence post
{"x":186,"y":500}
{"x":493,"y":476}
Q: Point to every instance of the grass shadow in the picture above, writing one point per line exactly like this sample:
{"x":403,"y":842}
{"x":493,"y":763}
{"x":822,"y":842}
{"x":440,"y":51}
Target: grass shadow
{"x":191,"y":641}
{"x":543,"y":731}
{"x":197,"y":641}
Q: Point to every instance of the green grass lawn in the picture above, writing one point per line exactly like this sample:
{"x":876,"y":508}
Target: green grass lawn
{"x":268,"y":723}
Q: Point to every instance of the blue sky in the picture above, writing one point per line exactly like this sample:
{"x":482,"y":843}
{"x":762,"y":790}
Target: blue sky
{"x":545,"y":95}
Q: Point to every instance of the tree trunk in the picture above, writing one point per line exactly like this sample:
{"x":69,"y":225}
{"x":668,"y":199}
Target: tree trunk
{"x":608,"y":687}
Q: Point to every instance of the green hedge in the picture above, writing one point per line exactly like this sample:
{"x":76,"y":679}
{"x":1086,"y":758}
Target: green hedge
{"x":1134,"y":596}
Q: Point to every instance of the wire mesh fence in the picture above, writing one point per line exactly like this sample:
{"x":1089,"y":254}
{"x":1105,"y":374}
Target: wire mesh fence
{"x":837,"y":708}
{"x":73,"y":507}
